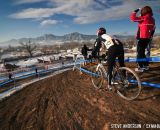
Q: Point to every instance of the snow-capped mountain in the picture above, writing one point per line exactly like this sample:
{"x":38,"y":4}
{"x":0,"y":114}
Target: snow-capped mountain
{"x":51,"y":39}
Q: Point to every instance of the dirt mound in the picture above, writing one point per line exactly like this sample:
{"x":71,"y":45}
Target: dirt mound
{"x":69,"y":101}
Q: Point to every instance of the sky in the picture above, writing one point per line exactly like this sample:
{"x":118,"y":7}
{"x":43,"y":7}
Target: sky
{"x":33,"y":18}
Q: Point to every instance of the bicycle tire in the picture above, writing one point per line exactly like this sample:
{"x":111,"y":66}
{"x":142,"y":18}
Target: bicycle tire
{"x":97,"y":77}
{"x":128,"y":83}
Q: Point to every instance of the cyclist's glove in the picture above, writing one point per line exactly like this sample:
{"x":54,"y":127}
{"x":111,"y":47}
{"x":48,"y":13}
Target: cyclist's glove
{"x":94,"y":53}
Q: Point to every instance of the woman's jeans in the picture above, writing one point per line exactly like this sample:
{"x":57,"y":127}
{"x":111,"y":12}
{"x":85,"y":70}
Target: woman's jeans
{"x":141,"y":47}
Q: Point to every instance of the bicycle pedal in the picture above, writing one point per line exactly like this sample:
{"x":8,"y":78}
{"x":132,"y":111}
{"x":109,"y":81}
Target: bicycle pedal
{"x":109,"y":87}
{"x":106,"y":89}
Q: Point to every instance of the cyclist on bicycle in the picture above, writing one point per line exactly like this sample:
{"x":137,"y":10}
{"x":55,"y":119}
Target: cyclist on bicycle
{"x":114,"y":48}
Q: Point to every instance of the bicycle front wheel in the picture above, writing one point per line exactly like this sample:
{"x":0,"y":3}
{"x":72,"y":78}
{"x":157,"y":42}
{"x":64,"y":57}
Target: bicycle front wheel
{"x":128,"y":83}
{"x":97,"y":77}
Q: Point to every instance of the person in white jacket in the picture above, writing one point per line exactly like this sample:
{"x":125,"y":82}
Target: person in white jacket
{"x":114,"y":49}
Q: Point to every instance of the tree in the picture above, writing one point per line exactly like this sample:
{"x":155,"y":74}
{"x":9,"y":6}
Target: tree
{"x":10,"y":48}
{"x":1,"y":53}
{"x":47,"y":49}
{"x":44,"y":49}
{"x":29,"y":47}
{"x":156,"y":42}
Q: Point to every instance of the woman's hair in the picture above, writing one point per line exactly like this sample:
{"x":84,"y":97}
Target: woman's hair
{"x":146,"y":10}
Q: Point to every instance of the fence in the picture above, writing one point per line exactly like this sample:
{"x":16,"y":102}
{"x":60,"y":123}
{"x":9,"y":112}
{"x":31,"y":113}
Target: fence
{"x":28,"y":74}
{"x":151,"y":59}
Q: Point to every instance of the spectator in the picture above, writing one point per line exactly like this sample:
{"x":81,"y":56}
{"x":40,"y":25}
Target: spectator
{"x":84,"y":51}
{"x":10,"y":75}
{"x":36,"y":70}
{"x":62,"y":63}
{"x":146,"y":28}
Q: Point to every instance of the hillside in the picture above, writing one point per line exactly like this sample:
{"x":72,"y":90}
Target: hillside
{"x":69,"y":101}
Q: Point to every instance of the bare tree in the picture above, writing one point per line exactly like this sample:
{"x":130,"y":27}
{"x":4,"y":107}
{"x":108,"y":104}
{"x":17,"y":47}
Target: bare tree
{"x":56,"y":48}
{"x":47,"y":49}
{"x":29,"y":47}
{"x":70,"y":45}
{"x":1,"y":53}
{"x":156,"y":42}
{"x":10,"y":48}
{"x":44,"y":49}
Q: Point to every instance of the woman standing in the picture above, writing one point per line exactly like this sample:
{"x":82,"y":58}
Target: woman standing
{"x":146,"y":28}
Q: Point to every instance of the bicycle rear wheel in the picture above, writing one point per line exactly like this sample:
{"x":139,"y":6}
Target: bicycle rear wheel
{"x":128,"y":83}
{"x":97,"y":77}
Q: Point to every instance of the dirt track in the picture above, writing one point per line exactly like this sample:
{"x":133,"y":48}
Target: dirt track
{"x":69,"y":101}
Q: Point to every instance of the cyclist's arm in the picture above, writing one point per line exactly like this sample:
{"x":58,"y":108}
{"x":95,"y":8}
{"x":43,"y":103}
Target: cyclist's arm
{"x":96,"y":49}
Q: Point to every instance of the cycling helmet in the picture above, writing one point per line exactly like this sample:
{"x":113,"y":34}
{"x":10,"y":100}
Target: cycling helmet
{"x":101,"y":31}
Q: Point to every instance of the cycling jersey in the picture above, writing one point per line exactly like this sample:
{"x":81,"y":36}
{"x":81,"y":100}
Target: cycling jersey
{"x":109,"y":41}
{"x":105,"y":40}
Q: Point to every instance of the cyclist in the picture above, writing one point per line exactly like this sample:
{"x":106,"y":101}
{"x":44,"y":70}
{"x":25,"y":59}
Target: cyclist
{"x":114,"y":48}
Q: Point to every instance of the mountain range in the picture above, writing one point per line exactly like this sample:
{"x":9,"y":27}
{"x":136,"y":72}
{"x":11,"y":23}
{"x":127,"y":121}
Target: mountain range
{"x":50,"y":39}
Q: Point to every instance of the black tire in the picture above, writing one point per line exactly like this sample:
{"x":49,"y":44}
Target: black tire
{"x":127,"y":82}
{"x":97,"y":77}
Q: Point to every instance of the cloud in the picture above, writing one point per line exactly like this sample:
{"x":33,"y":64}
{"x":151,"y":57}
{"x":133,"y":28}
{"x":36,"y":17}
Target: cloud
{"x":85,"y":11}
{"x":33,"y":13}
{"x":48,"y":22}
{"x":28,"y":1}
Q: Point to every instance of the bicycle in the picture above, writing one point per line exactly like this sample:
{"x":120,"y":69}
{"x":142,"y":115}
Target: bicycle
{"x":126,"y":82}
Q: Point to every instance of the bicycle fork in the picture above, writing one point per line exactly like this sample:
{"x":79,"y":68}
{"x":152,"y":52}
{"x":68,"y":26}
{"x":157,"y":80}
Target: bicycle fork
{"x":103,"y":70}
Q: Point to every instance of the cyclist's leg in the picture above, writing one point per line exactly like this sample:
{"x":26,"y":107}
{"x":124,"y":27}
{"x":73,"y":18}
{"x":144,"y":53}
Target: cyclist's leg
{"x":121,"y":56}
{"x":121,"y":61}
{"x":120,"y":53}
{"x":111,"y":62}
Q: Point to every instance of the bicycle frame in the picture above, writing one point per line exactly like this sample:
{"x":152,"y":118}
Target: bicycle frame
{"x":103,"y":69}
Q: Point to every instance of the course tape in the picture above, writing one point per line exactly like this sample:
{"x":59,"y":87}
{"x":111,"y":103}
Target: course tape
{"x":151,"y":84}
{"x":6,"y":82}
{"x":142,"y":83}
{"x":13,"y":90}
{"x":151,"y":59}
{"x":87,"y":71}
{"x":33,"y":74}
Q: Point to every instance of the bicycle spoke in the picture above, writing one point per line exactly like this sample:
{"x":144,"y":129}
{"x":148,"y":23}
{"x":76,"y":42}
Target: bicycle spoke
{"x":130,"y":84}
{"x":97,"y":78}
